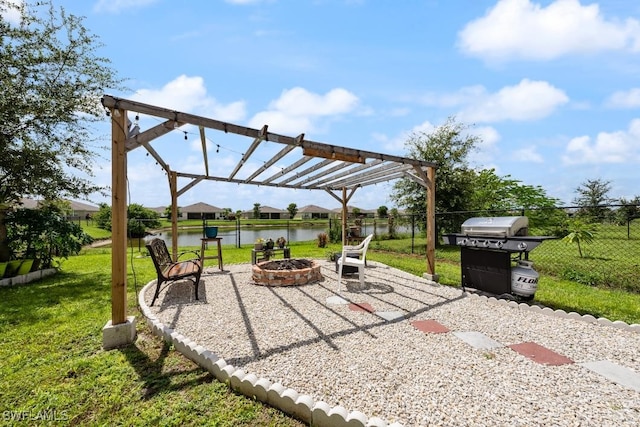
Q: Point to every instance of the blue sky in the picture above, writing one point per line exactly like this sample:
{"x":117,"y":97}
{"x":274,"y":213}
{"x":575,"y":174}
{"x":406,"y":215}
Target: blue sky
{"x":551,"y":87}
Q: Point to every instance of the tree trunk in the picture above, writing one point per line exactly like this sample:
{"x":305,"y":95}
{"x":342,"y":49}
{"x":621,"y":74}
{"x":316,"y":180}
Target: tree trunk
{"x":5,"y":252}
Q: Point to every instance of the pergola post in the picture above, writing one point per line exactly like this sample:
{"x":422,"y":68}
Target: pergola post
{"x":120,"y":330}
{"x":345,"y":213}
{"x":173,"y":186}
{"x":431,"y":225}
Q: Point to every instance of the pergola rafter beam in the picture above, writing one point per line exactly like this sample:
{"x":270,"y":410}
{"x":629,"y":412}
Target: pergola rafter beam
{"x":378,"y":179}
{"x":270,"y":162}
{"x":305,"y":172}
{"x":343,"y":174}
{"x":325,"y":173}
{"x":286,"y":170}
{"x":367,"y":175}
{"x":261,"y":137}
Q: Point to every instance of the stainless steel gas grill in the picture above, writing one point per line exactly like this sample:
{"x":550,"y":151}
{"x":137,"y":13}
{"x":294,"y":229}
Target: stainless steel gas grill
{"x":488,"y":248}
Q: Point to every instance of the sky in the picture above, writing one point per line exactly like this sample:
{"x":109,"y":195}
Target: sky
{"x":552,"y":88}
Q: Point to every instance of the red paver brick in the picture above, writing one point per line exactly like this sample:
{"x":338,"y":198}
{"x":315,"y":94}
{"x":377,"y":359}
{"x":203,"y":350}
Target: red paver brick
{"x":430,"y":326}
{"x":361,"y":306}
{"x":540,"y":354}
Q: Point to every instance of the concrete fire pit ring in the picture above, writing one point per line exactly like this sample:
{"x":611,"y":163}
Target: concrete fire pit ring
{"x":286,"y":272}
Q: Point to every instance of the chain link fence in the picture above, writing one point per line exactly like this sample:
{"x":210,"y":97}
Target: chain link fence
{"x":600,"y":248}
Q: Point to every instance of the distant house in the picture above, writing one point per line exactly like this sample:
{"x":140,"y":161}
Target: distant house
{"x":82,"y":210}
{"x":365,"y":213}
{"x":267,"y":212}
{"x":314,"y":212}
{"x":79,"y":210}
{"x":369,"y":213}
{"x":202,"y":211}
{"x":162,"y":211}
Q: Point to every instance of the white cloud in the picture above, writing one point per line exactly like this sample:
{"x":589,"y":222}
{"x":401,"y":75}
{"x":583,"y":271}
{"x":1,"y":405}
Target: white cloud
{"x":528,"y":100}
{"x":396,"y":144}
{"x":522,"y":29}
{"x":281,"y":122}
{"x":297,"y":110}
{"x":189,"y":94}
{"x":615,"y":147}
{"x":624,"y":99}
{"x":117,"y":6}
{"x":528,"y":154}
{"x":489,"y":136}
{"x":299,"y":101}
{"x":486,"y":148}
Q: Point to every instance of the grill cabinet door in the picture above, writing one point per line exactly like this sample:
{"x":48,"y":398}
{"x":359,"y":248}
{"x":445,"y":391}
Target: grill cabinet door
{"x":486,"y":270}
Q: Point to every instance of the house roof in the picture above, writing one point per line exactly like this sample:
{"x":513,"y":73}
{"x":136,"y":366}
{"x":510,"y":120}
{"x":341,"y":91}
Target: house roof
{"x":79,"y":206}
{"x":314,"y":209}
{"x":201,"y":207}
{"x":269,"y":209}
{"x":75,"y":205}
{"x":350,"y":209}
{"x":159,"y":209}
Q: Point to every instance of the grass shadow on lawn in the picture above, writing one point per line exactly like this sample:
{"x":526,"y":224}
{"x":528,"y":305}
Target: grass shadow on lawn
{"x":159,"y":369}
{"x":40,"y":301}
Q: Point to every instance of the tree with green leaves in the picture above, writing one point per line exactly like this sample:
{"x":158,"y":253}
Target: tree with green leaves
{"x":292,"y":209}
{"x":256,"y":211}
{"x":592,"y":195}
{"x":506,"y":195}
{"x":629,"y":210}
{"x":51,"y":81}
{"x":167,"y":212}
{"x":449,"y":145}
{"x":382,"y":211}
{"x":44,"y":233}
{"x":139,"y":219}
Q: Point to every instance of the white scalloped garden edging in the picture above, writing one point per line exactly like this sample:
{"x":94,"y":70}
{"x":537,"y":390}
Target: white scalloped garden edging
{"x":618,"y":324}
{"x":300,"y":406}
{"x":27,"y":278}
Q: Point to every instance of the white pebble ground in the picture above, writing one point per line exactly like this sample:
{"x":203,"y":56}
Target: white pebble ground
{"x":390,"y":369}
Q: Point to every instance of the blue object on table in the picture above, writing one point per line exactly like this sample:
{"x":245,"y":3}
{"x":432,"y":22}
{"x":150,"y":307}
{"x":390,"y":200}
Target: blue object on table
{"x":211,"y":232}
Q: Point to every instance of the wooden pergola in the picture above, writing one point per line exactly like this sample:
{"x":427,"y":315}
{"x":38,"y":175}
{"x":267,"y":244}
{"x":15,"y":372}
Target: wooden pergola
{"x":339,"y":171}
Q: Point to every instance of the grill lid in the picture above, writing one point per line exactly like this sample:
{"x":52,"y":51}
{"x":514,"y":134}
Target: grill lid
{"x":502,"y":226}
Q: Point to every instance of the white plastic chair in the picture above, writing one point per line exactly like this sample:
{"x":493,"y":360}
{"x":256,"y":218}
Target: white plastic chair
{"x":345,"y":259}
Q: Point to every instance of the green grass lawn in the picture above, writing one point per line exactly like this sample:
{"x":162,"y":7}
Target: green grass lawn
{"x":52,"y":364}
{"x":51,"y":361}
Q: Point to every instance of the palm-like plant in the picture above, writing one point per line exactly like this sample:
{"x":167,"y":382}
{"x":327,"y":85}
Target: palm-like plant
{"x":579,"y":233}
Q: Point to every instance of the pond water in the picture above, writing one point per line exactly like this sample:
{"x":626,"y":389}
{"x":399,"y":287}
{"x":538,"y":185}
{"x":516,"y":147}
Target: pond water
{"x":247,"y":236}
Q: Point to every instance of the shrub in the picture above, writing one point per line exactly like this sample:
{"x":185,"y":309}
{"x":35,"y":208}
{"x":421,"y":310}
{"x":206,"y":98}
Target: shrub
{"x":44,"y":233}
{"x":323,"y":238}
